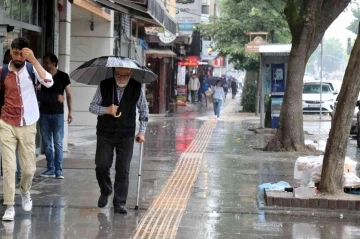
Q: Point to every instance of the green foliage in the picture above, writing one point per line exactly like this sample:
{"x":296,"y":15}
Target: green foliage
{"x":354,"y":25}
{"x":240,"y":16}
{"x":334,"y":57}
{"x":249,"y":95}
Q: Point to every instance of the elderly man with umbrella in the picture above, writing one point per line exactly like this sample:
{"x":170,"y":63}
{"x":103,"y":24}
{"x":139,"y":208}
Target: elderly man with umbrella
{"x":115,"y":103}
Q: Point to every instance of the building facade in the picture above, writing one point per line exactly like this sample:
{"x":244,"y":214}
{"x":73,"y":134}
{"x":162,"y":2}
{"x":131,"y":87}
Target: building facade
{"x":80,"y":30}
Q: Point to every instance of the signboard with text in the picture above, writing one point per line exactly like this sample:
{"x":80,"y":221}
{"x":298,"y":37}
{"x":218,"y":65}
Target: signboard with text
{"x":188,"y":15}
{"x":181,"y":95}
{"x":208,"y":52}
{"x":253,"y":46}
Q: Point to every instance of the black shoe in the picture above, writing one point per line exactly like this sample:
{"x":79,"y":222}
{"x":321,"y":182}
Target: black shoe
{"x":120,"y":209}
{"x":103,"y":201}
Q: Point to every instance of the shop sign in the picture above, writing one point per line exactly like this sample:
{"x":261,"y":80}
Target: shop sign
{"x":219,"y":62}
{"x":188,"y":15}
{"x":166,"y":37}
{"x":254,"y":45}
{"x":181,"y":95}
{"x":207,"y":52}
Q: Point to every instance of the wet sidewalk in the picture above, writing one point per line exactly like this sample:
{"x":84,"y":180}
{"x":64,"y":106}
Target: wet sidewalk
{"x":222,"y":202}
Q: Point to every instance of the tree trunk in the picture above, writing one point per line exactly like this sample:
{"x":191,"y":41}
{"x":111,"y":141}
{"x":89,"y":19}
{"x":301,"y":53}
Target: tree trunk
{"x":290,"y":133}
{"x":308,"y":21}
{"x":333,"y":165}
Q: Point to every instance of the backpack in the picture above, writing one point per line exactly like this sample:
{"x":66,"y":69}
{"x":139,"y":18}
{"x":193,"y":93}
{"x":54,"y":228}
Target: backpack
{"x":29,"y":68}
{"x":4,"y":72}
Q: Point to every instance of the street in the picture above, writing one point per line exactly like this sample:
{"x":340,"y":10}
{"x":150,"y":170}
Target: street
{"x":222,"y":199}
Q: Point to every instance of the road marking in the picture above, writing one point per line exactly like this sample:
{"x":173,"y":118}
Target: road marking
{"x":163,"y":217}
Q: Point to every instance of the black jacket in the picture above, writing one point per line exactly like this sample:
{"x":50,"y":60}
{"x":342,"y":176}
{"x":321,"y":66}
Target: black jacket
{"x":124,"y":126}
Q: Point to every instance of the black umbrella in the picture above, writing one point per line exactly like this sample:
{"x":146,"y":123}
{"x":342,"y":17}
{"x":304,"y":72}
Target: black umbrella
{"x":213,"y":80}
{"x":101,"y":68}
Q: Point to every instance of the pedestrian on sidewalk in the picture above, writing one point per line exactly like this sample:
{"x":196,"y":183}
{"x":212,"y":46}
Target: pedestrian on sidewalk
{"x":52,"y":116}
{"x":19,"y":114}
{"x":225,"y":86}
{"x":234,"y":87}
{"x":115,"y":103}
{"x":218,"y":98}
{"x":204,"y":88}
{"x":194,"y":86}
{"x":6,"y":61}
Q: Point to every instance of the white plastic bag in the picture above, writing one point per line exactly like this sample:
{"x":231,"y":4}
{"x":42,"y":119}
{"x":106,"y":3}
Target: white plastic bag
{"x":351,"y":180}
{"x":308,"y":170}
{"x":304,"y":166}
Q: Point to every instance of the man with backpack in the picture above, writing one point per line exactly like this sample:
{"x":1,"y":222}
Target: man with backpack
{"x":7,"y":59}
{"x":19,"y":114}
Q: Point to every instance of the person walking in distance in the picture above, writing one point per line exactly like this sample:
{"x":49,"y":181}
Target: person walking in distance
{"x":19,"y":114}
{"x":52,"y":116}
{"x":218,"y":98}
{"x":194,"y":86}
{"x":115,"y":103}
{"x":234,"y":87}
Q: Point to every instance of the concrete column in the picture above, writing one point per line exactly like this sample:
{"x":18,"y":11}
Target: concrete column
{"x":64,"y":55}
{"x":262,"y":95}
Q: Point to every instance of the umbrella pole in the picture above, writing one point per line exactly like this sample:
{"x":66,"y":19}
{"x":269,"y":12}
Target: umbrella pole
{"x":139,"y":176}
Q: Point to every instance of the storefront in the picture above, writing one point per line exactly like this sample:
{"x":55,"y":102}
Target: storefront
{"x":158,"y":93}
{"x":31,"y":19}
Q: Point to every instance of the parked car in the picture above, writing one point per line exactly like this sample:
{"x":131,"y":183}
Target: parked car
{"x":311,"y":97}
{"x":355,"y":119}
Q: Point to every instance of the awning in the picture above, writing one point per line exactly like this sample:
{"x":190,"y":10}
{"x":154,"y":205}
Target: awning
{"x":154,"y":10}
{"x":159,"y":53}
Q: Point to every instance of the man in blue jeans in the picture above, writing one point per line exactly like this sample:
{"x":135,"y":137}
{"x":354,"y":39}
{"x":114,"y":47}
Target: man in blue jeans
{"x":52,"y":116}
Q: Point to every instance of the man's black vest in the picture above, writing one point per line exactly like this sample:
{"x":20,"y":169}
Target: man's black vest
{"x":124,"y":126}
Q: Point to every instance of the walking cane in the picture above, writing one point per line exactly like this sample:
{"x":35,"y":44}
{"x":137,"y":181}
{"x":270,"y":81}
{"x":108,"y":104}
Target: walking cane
{"x":139,"y":175}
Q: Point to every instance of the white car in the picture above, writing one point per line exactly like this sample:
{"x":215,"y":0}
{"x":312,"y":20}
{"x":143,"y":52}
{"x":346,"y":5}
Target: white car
{"x":311,"y":97}
{"x":354,"y":122}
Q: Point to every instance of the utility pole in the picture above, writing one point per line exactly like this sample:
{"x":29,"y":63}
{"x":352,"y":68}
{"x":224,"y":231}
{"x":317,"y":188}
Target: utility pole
{"x":321,"y":76}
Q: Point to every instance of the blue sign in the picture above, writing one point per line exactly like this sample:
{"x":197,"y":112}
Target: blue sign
{"x":278,"y":78}
{"x":187,"y":26}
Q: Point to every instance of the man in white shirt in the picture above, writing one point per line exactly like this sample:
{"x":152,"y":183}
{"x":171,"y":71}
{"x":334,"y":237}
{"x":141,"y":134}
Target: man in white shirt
{"x":19,"y":114}
{"x":194,"y":85}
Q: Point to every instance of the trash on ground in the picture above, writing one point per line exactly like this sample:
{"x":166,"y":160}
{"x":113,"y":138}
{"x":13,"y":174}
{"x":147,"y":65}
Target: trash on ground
{"x":308,"y":170}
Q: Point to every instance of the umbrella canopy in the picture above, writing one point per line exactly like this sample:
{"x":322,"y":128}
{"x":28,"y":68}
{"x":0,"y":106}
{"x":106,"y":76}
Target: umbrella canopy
{"x":101,"y":68}
{"x":213,"y":80}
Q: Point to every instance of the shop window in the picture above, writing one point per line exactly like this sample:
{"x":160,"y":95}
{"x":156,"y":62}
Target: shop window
{"x":6,"y":6}
{"x":141,"y":32}
{"x":16,"y":10}
{"x":205,"y":9}
{"x":34,"y":13}
{"x":133,"y":29}
{"x":26,"y":10}
{"x":125,"y":22}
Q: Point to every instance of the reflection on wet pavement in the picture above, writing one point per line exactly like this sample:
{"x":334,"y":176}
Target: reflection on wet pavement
{"x":223,"y":203}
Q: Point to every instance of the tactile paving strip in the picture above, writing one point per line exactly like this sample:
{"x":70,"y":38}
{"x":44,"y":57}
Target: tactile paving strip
{"x":163,"y":217}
